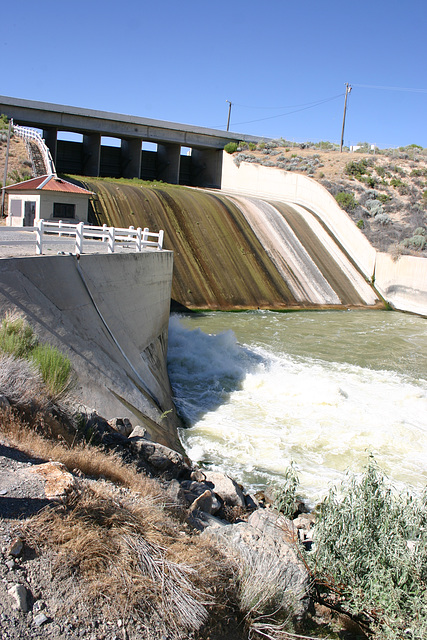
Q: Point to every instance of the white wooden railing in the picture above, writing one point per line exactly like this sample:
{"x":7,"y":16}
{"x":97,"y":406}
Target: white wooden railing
{"x":142,"y":238}
{"x":30,"y":135}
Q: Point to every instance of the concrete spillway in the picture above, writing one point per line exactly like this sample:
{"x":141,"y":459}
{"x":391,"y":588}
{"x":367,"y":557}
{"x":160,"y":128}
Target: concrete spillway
{"x":109,"y":314}
{"x":235,"y":252}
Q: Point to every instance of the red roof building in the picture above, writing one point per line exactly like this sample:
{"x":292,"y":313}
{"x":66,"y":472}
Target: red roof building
{"x":47,"y":198}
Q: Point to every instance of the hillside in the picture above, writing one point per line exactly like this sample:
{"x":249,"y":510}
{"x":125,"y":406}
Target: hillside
{"x":384,"y":192}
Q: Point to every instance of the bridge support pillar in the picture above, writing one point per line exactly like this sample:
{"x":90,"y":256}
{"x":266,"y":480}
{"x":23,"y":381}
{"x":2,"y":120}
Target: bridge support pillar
{"x":168,"y":162}
{"x":91,"y":154}
{"x":206,"y":167}
{"x":51,"y":138}
{"x":131,"y":157}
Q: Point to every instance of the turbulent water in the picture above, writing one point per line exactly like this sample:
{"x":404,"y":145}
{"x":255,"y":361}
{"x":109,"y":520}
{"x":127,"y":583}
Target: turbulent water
{"x":322,"y":389}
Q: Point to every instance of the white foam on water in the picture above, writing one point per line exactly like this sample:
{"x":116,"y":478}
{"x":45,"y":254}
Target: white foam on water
{"x":253,"y":411}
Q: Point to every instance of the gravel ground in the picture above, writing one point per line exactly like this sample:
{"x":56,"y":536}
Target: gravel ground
{"x":46,"y":613}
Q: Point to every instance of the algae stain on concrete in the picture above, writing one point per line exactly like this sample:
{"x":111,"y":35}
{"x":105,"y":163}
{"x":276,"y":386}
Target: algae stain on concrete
{"x":218,"y":261}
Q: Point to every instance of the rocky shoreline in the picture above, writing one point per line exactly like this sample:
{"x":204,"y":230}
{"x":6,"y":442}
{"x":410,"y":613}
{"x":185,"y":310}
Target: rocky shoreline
{"x":210,"y":504}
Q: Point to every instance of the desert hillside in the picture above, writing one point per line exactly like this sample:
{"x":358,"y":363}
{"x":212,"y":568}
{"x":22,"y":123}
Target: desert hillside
{"x":384,"y":191}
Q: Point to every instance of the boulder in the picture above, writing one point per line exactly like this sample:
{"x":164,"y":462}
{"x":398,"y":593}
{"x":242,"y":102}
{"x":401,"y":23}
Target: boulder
{"x":203,"y":502}
{"x":140,"y":432}
{"x":226,"y":488}
{"x":121,"y":425}
{"x":193,"y":489}
{"x":265,"y":550}
{"x":97,"y":431}
{"x":161,"y":459}
{"x":19,"y":595}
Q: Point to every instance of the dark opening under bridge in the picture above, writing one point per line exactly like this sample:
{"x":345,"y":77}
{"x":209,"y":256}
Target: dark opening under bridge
{"x":89,"y":157}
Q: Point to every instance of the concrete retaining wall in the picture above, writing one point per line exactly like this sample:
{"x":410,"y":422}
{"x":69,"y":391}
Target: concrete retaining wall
{"x":403,"y":283}
{"x":109,"y":314}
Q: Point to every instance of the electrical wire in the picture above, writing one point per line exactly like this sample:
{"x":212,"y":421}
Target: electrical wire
{"x":371,"y":86}
{"x":281,"y":115}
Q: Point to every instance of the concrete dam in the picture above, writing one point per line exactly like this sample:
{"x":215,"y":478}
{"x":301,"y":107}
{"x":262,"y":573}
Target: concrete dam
{"x":238,"y":252}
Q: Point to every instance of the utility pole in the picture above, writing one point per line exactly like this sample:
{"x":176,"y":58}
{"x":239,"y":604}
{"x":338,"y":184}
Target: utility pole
{"x":3,"y":192}
{"x":229,"y":114}
{"x":347,"y":91}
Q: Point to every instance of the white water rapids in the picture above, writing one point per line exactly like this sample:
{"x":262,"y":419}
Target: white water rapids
{"x":323,"y":389}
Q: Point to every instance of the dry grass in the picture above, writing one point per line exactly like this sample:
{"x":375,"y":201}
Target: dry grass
{"x":21,"y":383}
{"x":32,"y":437}
{"x":129,"y":557}
{"x":120,"y":552}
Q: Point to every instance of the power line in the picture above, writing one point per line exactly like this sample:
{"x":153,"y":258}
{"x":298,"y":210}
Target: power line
{"x":281,"y":115}
{"x":371,"y":86}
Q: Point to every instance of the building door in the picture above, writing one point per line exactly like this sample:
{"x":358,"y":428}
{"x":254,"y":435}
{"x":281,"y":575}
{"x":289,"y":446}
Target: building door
{"x":30,"y":213}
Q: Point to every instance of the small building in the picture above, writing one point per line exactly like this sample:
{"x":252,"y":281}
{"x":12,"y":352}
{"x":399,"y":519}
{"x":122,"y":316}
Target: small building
{"x":48,"y":198}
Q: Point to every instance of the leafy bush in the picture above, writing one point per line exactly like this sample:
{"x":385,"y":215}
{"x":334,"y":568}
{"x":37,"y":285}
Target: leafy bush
{"x":4,"y":121}
{"x":18,"y":339}
{"x":285,"y":495}
{"x":416,"y":242}
{"x":360,"y":224}
{"x":382,"y":218}
{"x":231,"y":147}
{"x":371,"y":550}
{"x":346,"y":201}
{"x":16,"y":336}
{"x":54,"y":367}
{"x":357,"y":168}
{"x":374,"y":207}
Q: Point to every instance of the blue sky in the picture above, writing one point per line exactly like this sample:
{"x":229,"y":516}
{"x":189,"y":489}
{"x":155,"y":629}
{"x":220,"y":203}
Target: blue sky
{"x":283,"y":64}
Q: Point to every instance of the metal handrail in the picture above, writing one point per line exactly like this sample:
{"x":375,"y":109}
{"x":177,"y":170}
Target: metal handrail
{"x":30,"y":135}
{"x":106,"y":234}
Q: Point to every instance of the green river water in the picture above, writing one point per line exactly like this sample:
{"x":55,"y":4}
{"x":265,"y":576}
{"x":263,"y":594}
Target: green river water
{"x":322,"y":389}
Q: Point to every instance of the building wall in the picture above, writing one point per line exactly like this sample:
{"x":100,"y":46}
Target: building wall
{"x":44,"y":206}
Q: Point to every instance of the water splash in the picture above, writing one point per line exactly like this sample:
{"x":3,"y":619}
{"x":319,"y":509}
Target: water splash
{"x":254,"y":409}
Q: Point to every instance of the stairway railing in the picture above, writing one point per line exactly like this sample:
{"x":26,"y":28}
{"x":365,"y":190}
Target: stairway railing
{"x":29,"y":135}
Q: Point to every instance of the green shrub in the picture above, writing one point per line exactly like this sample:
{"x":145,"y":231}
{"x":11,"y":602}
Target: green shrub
{"x":357,"y":168}
{"x":54,"y":367}
{"x":252,"y":146}
{"x":16,"y":336}
{"x":416,"y":242}
{"x":285,"y":494}
{"x":371,"y":550}
{"x":231,"y":147}
{"x":369,"y":180}
{"x":346,"y":201}
{"x":19,"y":340}
{"x":360,"y":224}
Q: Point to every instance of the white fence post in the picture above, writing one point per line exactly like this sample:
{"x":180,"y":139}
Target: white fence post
{"x":60,"y":225}
{"x":79,"y":238}
{"x":139,"y":239}
{"x":39,"y":236}
{"x":105,"y":233}
{"x":111,"y":237}
{"x":160,"y":245}
{"x":145,"y":236}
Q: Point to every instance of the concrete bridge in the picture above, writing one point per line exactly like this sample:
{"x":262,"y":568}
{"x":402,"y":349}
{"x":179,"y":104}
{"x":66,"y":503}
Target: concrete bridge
{"x":202,"y":167}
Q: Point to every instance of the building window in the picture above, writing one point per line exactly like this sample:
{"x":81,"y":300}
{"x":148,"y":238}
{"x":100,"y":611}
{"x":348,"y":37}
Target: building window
{"x":63,"y":210}
{"x":15,"y":208}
